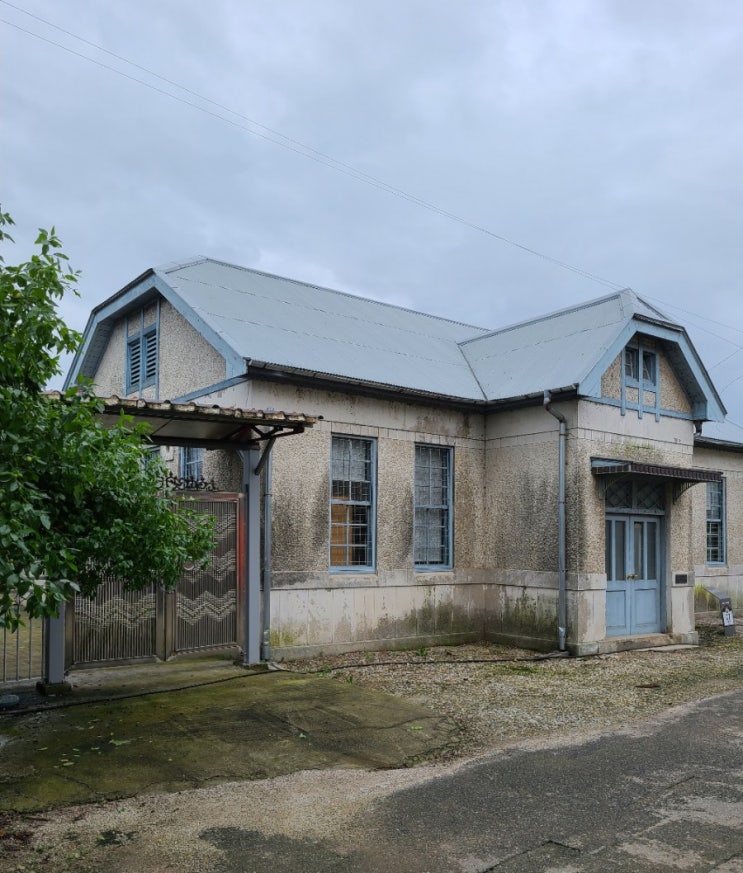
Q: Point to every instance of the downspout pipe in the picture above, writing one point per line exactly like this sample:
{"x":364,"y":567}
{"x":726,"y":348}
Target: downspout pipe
{"x":562,"y":611}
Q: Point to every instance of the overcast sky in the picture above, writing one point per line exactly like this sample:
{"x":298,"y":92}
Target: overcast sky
{"x":604,"y":135}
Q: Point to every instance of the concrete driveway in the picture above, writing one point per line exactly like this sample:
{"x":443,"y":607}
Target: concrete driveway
{"x":189,"y":724}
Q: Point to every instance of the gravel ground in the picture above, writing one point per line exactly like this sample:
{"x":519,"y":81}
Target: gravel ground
{"x":500,"y":695}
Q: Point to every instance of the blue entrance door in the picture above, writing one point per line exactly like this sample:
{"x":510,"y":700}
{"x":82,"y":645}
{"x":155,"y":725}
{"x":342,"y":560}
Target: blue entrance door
{"x":632,"y":575}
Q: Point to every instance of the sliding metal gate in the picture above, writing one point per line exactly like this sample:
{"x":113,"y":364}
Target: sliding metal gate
{"x":118,"y":625}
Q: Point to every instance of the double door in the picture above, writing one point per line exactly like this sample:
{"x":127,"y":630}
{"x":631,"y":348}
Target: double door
{"x":633,"y":573}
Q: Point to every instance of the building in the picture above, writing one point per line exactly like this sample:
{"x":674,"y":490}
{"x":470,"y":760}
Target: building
{"x":544,"y":484}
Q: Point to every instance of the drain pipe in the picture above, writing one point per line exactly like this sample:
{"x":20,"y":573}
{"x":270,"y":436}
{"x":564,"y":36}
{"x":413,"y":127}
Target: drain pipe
{"x":266,"y":461}
{"x":562,"y":612}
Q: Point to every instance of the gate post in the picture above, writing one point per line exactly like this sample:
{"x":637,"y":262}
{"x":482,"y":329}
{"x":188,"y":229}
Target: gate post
{"x":53,"y":681}
{"x":252,"y":563}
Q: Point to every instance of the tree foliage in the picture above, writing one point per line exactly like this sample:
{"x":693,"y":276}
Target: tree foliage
{"x":77,"y":500}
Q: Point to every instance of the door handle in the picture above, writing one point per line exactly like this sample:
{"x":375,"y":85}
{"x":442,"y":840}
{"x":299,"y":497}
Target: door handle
{"x":631,"y":575}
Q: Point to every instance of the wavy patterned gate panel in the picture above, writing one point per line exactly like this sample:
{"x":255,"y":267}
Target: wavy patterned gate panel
{"x":118,"y":625}
{"x":22,"y":652}
{"x":115,"y":625}
{"x":206,"y":598}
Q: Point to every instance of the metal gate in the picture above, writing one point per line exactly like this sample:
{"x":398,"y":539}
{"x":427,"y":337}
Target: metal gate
{"x":118,"y":625}
{"x":206,"y":597}
{"x":22,"y":652}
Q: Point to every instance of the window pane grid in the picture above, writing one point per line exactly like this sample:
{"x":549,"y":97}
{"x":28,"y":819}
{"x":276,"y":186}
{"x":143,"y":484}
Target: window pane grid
{"x":351,"y":509}
{"x":432,"y":514}
{"x":715,"y":523}
{"x":191,"y":462}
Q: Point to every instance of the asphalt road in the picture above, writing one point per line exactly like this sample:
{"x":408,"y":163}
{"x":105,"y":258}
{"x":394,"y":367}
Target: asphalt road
{"x":667,"y":795}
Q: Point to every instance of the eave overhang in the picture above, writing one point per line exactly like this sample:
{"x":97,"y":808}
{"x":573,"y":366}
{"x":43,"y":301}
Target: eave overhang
{"x":609,"y":469}
{"x":208,"y":427}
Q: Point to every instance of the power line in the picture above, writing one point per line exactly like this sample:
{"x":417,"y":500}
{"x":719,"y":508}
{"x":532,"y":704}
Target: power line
{"x":288,"y":143}
{"x":688,"y":312}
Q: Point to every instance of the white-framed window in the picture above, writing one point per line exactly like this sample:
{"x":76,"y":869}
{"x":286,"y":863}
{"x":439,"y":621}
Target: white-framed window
{"x":192,"y":463}
{"x":432,"y":517}
{"x":716,"y":522}
{"x":352,"y":504}
{"x":141,"y":359}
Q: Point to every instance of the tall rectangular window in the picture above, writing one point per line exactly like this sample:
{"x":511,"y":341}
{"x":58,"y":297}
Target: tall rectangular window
{"x":716,"y":522}
{"x":192,"y":463}
{"x":433,"y":511}
{"x":352,"y":504}
{"x":141,"y":360}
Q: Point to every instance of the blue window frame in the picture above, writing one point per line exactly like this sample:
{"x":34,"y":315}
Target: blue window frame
{"x":352,"y":504}
{"x":716,"y":522}
{"x":192,"y":463}
{"x":640,"y":378}
{"x":141,"y":359}
{"x":432,"y":517}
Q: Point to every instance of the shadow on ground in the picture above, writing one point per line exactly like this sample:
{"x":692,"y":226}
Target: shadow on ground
{"x":175,"y":727}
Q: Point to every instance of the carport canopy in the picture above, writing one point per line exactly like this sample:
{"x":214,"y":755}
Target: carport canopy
{"x":209,"y":427}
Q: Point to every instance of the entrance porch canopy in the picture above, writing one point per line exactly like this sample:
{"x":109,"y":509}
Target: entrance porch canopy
{"x":608,"y":469}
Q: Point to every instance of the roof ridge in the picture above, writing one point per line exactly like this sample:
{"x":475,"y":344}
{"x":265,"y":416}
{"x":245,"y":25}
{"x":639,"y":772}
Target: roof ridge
{"x":556,"y":314}
{"x":196,"y":261}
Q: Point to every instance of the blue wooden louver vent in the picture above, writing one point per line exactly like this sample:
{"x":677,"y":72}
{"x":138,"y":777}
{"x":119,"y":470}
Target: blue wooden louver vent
{"x":142,"y":360}
{"x":135,"y":362}
{"x":150,"y":340}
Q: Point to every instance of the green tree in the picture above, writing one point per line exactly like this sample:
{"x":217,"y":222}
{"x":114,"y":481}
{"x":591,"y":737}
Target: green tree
{"x":77,"y":500}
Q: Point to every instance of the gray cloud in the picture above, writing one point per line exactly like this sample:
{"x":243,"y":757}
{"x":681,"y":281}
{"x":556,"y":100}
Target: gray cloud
{"x":605,"y":134}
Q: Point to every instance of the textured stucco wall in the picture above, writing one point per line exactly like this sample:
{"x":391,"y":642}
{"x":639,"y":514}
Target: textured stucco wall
{"x":729,"y":577}
{"x":313,"y":608}
{"x":186,"y":362}
{"x":672,"y":395}
{"x":110,"y":377}
{"x":605,"y":432}
{"x":521,"y":509}
{"x":503,"y":584}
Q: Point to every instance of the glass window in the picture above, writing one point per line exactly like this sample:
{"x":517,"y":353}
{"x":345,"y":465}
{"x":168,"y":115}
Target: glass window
{"x":632,"y":364}
{"x":649,"y":367}
{"x":638,"y":360}
{"x":432,"y":515}
{"x":352,"y":504}
{"x":192,"y":463}
{"x":716,"y":522}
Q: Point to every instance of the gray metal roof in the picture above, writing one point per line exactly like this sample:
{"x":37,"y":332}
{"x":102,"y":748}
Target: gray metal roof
{"x":291,"y":325}
{"x":720,"y":435}
{"x":270,"y":322}
{"x":284,"y":324}
{"x":555,"y":351}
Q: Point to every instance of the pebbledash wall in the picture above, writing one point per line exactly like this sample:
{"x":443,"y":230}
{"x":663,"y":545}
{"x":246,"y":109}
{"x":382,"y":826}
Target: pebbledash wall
{"x":503,"y":584}
{"x":726,"y":576}
{"x":314,"y":608}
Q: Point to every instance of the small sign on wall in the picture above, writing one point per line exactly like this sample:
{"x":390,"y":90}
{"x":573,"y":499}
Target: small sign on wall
{"x":728,"y":619}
